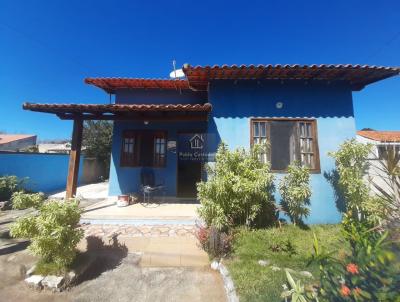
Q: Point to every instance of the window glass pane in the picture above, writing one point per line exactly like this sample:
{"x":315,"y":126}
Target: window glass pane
{"x":263,"y":129}
{"x":302,"y":130}
{"x":282,"y":135}
{"x":310,"y":145}
{"x":256,"y":129}
{"x":308,"y":129}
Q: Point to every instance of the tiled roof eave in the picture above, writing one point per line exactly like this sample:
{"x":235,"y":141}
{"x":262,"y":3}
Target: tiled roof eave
{"x":356,"y":75}
{"x":120,"y":111}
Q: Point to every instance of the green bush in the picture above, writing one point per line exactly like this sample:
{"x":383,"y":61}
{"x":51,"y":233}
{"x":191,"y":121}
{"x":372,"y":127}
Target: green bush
{"x":239,"y":189}
{"x":295,"y":192}
{"x":21,"y":200}
{"x":54,"y":234}
{"x":9,"y":185}
{"x":352,"y":165}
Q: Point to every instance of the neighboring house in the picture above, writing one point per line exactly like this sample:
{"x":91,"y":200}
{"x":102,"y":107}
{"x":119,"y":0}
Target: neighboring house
{"x":63,"y":148}
{"x":383,"y":142}
{"x":16,"y":142}
{"x":173,"y":127}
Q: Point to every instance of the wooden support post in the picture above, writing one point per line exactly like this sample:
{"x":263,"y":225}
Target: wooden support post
{"x":74,"y":158}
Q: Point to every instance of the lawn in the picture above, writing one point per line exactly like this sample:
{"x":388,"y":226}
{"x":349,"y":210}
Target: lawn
{"x":288,"y":247}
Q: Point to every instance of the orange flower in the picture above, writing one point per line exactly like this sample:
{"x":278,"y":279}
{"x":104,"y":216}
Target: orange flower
{"x":345,"y":291}
{"x":352,"y":268}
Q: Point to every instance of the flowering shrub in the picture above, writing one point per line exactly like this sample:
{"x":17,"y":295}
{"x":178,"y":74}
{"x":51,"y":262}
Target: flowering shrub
{"x":216,"y":243}
{"x":368,"y":273}
{"x":238,"y":190}
{"x":53,"y":233}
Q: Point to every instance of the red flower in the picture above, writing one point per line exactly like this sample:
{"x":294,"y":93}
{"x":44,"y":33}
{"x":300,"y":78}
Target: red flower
{"x":345,"y":291}
{"x":352,"y":268}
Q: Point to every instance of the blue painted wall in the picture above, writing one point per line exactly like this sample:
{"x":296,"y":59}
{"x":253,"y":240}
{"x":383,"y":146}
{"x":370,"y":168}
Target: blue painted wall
{"x":234,"y":104}
{"x":46,"y":172}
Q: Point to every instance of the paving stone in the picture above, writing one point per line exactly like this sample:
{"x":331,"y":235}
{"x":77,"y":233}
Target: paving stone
{"x":35,"y":281}
{"x":53,"y":282}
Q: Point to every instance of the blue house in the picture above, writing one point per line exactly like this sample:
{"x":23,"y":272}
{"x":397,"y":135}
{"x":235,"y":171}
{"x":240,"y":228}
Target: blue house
{"x":170,"y":128}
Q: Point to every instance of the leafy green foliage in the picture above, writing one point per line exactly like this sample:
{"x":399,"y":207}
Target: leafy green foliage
{"x":297,"y":292}
{"x":53,"y":233}
{"x":352,"y":166}
{"x":370,"y":272}
{"x":238,"y":190}
{"x":280,"y":244}
{"x":97,"y":139}
{"x":21,"y":200}
{"x":9,"y":185}
{"x":295,"y":191}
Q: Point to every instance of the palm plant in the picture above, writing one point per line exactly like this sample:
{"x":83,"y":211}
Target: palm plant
{"x":385,"y":178}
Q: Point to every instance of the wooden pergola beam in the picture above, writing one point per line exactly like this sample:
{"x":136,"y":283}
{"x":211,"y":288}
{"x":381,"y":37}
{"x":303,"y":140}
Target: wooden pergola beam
{"x":74,"y":159}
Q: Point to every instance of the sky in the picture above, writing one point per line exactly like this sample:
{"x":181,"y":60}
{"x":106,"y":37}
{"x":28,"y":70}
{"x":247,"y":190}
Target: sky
{"x":47,"y":48}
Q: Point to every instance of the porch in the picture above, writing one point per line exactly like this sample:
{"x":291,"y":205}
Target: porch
{"x":99,"y":208}
{"x":140,"y":213}
{"x":142,"y":146}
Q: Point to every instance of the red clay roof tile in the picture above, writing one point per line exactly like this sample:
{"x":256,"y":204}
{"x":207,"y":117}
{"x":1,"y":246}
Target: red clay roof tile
{"x":382,"y":136}
{"x":110,"y":85}
{"x":356,"y":75}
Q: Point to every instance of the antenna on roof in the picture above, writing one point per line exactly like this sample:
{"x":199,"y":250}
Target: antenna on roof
{"x":176,"y":74}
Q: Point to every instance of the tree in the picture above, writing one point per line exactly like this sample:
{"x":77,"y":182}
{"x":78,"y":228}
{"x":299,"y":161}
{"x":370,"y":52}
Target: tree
{"x":97,"y":139}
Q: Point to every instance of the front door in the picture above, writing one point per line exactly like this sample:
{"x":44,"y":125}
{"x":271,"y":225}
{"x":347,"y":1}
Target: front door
{"x":190,"y":163}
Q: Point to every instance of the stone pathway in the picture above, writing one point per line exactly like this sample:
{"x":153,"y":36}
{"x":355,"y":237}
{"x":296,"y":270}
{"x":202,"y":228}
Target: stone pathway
{"x":164,"y":230}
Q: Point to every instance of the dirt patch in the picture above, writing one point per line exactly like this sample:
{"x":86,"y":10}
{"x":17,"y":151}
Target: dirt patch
{"x":120,"y":279}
